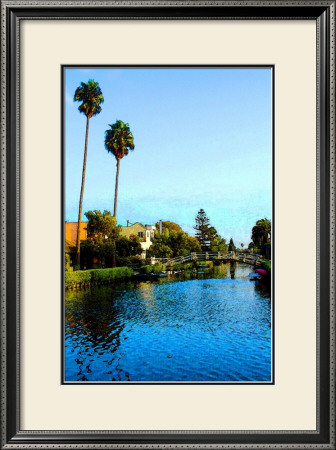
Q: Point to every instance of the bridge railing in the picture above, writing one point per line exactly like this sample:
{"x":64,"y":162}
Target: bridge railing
{"x":204,"y":256}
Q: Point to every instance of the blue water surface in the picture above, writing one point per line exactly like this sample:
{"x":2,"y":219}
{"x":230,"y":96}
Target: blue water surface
{"x":216,"y":327}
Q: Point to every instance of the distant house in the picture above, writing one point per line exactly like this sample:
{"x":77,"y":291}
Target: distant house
{"x":145,"y":233}
{"x":70,"y":232}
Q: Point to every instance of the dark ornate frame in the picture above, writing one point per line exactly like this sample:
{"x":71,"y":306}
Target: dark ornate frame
{"x":12,"y":12}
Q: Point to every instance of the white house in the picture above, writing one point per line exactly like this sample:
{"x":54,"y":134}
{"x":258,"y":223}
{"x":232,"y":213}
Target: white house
{"x":144,"y":232}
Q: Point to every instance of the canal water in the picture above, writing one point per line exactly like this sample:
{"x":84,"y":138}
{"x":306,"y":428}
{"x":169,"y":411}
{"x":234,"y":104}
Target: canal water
{"x":213,"y":327}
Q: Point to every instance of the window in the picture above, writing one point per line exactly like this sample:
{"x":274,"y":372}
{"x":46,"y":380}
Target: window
{"x":140,"y":234}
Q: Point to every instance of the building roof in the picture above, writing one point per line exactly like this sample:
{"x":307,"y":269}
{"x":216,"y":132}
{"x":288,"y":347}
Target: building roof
{"x":82,"y":222}
{"x":132,"y":224}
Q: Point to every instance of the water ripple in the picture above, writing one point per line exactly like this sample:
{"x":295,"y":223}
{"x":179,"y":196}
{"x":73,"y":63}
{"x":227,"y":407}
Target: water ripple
{"x":216,"y":329}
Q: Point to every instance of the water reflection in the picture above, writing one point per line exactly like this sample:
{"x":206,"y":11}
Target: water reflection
{"x":214,"y":326}
{"x":92,"y":327}
{"x":232,"y":269}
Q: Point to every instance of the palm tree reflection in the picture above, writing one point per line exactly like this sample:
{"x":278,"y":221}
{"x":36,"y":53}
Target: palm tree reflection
{"x":233,"y":265}
{"x":92,"y":328}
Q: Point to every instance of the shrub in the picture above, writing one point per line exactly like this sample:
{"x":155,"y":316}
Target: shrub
{"x":108,"y":275}
{"x":267,"y":265}
{"x":67,"y":266}
{"x":155,"y":268}
{"x":123,"y":262}
{"x":137,"y":260}
{"x":183,"y":266}
{"x":146,"y":269}
{"x":80,"y":277}
{"x":85,"y":277}
{"x":130,"y":261}
{"x":206,"y":262}
{"x":158,"y":268}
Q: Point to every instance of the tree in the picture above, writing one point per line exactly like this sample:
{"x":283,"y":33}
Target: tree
{"x":96,"y":251}
{"x":102,"y":235}
{"x":219,"y":244}
{"x":159,"y":250}
{"x":202,"y":229}
{"x":172,"y":242}
{"x":91,"y":97}
{"x":167,"y":224}
{"x":181,"y":243}
{"x":102,"y":224}
{"x":191,"y":244}
{"x":118,"y":141}
{"x":128,"y":247}
{"x":232,"y":247}
{"x":251,"y":247}
{"x":261,"y":232}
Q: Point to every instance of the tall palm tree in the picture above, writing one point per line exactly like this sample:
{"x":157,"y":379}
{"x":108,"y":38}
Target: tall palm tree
{"x":118,"y":141}
{"x":261,"y":232}
{"x":90,"y":96}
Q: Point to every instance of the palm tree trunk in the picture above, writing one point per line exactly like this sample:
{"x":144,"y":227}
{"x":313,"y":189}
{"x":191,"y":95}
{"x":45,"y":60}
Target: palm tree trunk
{"x":116,"y":190}
{"x":81,"y":195}
{"x":114,"y":264}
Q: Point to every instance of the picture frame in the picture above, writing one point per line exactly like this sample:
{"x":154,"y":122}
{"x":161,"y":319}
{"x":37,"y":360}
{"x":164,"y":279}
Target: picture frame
{"x":13,"y":13}
{"x":67,"y":292}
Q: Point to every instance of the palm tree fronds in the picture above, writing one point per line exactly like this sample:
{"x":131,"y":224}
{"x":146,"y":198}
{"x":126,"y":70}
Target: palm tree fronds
{"x":118,"y":139}
{"x":91,"y":97}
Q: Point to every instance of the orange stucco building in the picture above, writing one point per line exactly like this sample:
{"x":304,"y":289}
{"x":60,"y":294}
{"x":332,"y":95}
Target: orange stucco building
{"x":70,"y":232}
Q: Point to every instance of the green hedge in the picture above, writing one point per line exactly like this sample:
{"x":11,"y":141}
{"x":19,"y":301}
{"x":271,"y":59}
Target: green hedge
{"x":107,"y":275}
{"x":267,"y":265}
{"x":84,"y":277}
{"x":184,"y":266}
{"x":155,"y":268}
{"x":206,"y":262}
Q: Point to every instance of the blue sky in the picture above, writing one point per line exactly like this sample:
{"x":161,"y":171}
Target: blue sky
{"x":203,"y":139}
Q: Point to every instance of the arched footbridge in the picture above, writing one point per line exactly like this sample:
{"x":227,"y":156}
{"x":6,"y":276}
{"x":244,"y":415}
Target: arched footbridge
{"x":248,"y":258}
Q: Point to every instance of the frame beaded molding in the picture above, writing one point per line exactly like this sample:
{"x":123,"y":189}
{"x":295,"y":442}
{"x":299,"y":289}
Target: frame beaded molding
{"x":169,"y":446}
{"x":332,"y":220}
{"x":164,"y":3}
{"x":3,"y":254}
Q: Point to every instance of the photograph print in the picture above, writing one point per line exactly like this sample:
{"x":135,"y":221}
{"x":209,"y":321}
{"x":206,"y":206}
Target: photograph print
{"x":167,"y":224}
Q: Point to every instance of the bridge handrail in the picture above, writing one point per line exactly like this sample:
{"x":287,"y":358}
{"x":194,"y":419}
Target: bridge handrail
{"x":208,"y":255}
